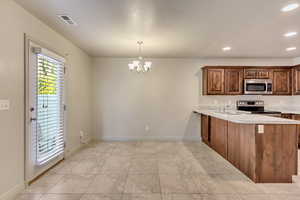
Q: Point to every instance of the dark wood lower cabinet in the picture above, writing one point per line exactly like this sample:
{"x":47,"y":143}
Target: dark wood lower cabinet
{"x":268,"y":157}
{"x":297,"y":117}
{"x":218,"y":133}
{"x":294,"y":117}
{"x":205,"y":129}
{"x":241,"y":148}
{"x":277,"y":154}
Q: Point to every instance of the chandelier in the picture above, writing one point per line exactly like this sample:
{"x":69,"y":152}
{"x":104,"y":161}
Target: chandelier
{"x":140,"y":65}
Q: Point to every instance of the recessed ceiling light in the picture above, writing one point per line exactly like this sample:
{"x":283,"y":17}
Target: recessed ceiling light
{"x":226,"y":48}
{"x":290,"y":34}
{"x":291,"y":48}
{"x":290,"y":7}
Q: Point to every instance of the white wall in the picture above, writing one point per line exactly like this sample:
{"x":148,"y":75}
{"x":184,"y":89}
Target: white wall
{"x":126,"y":102}
{"x":297,"y":61}
{"x":15,"y":21}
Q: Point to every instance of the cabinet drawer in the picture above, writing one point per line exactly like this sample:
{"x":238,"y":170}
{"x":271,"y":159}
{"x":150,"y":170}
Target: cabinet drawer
{"x":264,"y":74}
{"x":250,"y":73}
{"x":258,"y":73}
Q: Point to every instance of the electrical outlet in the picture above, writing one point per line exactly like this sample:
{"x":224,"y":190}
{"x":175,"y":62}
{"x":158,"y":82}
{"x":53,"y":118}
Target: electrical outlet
{"x":261,"y":129}
{"x":81,"y":134}
{"x":4,"y":104}
{"x":83,"y":137}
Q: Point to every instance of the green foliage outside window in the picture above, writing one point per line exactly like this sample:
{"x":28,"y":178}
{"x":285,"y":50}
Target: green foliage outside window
{"x":47,"y":78}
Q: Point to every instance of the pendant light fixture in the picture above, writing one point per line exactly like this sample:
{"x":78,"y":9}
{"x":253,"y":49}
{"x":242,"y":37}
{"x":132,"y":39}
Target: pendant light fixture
{"x":140,"y":65}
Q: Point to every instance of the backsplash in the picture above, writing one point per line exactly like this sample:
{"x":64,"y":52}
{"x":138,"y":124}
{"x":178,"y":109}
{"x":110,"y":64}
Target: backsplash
{"x":283,"y":102}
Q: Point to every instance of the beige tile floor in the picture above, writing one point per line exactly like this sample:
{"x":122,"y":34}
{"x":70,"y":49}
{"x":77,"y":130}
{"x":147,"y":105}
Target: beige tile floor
{"x":152,"y":171}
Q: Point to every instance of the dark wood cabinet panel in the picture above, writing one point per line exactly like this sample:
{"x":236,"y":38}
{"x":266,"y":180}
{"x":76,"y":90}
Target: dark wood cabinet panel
{"x":248,"y":150}
{"x":276,"y":167}
{"x":215,"y":81}
{"x":282,"y":82}
{"x":241,"y":147}
{"x":219,"y":136}
{"x":296,"y":81}
{"x":205,"y":129}
{"x":297,"y":117}
{"x":234,"y":81}
{"x":234,"y":145}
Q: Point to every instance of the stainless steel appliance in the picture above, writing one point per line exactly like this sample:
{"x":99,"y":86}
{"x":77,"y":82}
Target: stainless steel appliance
{"x":256,"y":107}
{"x":258,"y":86}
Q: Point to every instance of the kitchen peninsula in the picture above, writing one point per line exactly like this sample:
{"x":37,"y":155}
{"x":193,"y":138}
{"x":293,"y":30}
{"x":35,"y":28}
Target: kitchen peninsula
{"x":262,"y":147}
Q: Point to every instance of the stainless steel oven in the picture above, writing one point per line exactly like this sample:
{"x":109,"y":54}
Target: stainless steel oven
{"x":256,"y":107}
{"x":258,"y":86}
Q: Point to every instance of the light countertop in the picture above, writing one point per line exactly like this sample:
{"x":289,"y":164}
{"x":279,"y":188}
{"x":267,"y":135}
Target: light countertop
{"x":245,"y":117}
{"x":285,"y":110}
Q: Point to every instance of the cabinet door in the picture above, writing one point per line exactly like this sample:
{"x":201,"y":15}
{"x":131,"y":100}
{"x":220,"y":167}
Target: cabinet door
{"x":250,"y":74}
{"x":297,"y":117}
{"x":296,"y":74}
{"x":218,"y":141}
{"x":215,"y":81}
{"x":282,"y":82}
{"x":234,"y":81}
{"x":205,"y":129}
{"x":264,"y":73}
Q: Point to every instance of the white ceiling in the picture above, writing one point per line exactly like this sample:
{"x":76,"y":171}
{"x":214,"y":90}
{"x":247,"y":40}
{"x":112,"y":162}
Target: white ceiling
{"x":174,"y":28}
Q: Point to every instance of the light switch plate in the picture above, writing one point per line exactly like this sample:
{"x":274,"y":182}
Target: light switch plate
{"x":4,"y":104}
{"x":261,"y":129}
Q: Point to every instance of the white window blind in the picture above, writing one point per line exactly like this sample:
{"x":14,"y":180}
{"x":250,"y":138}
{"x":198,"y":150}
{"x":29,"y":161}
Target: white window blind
{"x":50,"y":109}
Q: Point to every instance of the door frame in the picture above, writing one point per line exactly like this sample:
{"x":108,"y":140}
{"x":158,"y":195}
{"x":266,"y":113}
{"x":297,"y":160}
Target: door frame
{"x":27,"y":41}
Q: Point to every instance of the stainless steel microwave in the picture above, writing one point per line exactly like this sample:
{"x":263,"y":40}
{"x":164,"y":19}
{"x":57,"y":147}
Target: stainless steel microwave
{"x":258,"y":86}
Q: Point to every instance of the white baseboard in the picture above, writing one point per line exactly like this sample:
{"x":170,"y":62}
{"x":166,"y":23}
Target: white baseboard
{"x":13,"y":193}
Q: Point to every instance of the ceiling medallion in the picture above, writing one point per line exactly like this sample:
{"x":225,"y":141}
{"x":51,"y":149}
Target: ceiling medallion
{"x":140,"y":65}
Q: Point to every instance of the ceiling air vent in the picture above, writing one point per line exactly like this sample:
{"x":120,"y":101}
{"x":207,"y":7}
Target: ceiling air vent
{"x":67,"y":19}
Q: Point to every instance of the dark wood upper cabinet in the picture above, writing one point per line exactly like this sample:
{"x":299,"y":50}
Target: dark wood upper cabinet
{"x":282,"y":82}
{"x":213,"y":82}
{"x":296,"y":80}
{"x":254,"y":73}
{"x":234,"y":81}
{"x":225,"y":80}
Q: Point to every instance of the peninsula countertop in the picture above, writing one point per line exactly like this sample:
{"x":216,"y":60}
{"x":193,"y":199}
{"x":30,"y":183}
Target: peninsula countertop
{"x":244,"y":117}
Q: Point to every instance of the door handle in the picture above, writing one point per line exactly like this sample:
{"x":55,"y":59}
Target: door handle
{"x":32,"y":119}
